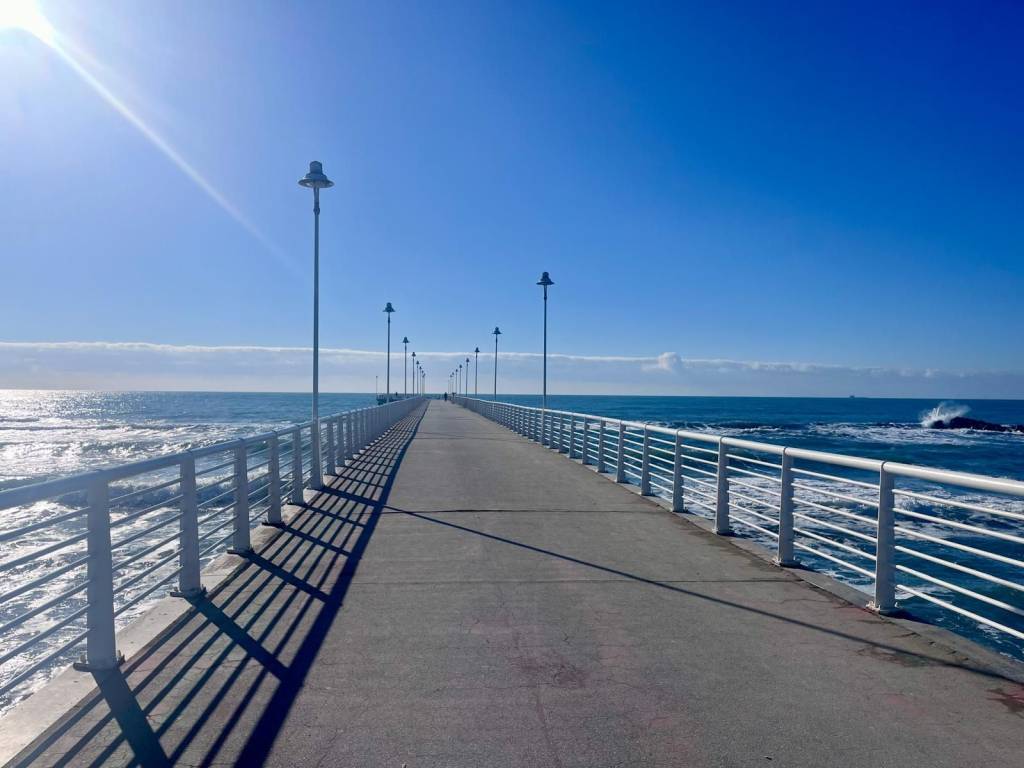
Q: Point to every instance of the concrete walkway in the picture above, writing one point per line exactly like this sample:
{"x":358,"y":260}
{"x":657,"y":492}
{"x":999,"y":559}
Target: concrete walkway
{"x":461,"y":597}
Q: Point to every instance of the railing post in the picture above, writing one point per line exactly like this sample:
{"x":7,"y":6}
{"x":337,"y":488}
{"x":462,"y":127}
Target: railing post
{"x":645,"y":464}
{"x":561,"y":432}
{"x":274,"y":488}
{"x":586,"y":437}
{"x":620,"y":455}
{"x":316,"y":467}
{"x":297,"y":497}
{"x":600,"y":448}
{"x":677,"y":474}
{"x":100,"y":649}
{"x":189,"y":584}
{"x":572,"y":435}
{"x":885,"y":551}
{"x":785,"y":556}
{"x":240,"y":541}
{"x":722,"y":527}
{"x":331,"y":453}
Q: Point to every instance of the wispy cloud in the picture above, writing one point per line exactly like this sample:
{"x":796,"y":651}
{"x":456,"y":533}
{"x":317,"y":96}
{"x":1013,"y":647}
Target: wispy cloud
{"x":142,"y":365}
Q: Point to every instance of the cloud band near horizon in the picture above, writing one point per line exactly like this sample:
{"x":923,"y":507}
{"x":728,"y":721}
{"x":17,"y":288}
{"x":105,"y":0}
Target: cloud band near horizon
{"x":149,"y":366}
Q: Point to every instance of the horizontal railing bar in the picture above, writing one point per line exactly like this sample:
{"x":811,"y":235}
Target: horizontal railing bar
{"x":139,"y":534}
{"x":748,"y":511}
{"x":755,"y":461}
{"x":37,"y":553}
{"x":16,"y":532}
{"x":702,"y":461}
{"x":837,"y":527}
{"x":960,"y":526}
{"x":836,"y":511}
{"x":755,"y":526}
{"x":960,"y":504}
{"x":43,"y":634}
{"x":762,"y":502}
{"x":163,"y":561}
{"x":834,"y":559}
{"x":119,"y":500}
{"x":43,"y":606}
{"x":217,"y":543}
{"x":40,"y":580}
{"x":215,"y":467}
{"x":961,"y":590}
{"x":962,"y":568}
{"x":837,"y":478}
{"x":834,"y":495}
{"x":957,"y":545}
{"x":27,"y":673}
{"x":143,"y":552}
{"x":700,"y":504}
{"x":956,"y":609}
{"x":143,"y":595}
{"x":753,"y":473}
{"x":166,"y":503}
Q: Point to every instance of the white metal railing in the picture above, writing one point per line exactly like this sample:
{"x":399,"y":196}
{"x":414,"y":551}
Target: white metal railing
{"x":949,"y":538}
{"x":97,"y":545}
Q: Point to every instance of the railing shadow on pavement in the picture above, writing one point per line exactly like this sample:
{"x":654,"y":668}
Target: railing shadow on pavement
{"x":896,"y":651}
{"x":251,"y":642}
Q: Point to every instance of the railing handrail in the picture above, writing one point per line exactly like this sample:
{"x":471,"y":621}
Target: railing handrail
{"x":33,"y":492}
{"x":970,"y":480}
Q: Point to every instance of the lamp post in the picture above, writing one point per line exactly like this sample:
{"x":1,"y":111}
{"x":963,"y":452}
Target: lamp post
{"x":545,"y":281}
{"x":476,"y":373}
{"x":496,"y":332}
{"x":405,"y":370}
{"x":387,"y":379}
{"x":415,"y":363}
{"x":465,"y":384}
{"x":316,"y":180}
{"x":458,"y":380}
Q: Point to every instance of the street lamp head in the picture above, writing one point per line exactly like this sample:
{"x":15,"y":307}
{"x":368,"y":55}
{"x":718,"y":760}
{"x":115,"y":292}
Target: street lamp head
{"x":389,"y":309}
{"x":414,"y":355}
{"x":477,"y":350}
{"x":496,"y":331}
{"x":316,"y":179}
{"x":405,"y":340}
{"x":545,"y":280}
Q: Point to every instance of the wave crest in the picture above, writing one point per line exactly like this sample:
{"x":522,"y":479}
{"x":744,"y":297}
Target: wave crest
{"x":944,"y":411}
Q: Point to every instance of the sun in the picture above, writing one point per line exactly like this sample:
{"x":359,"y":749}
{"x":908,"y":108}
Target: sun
{"x":25,"y":15}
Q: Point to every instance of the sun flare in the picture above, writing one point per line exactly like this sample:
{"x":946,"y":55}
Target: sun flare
{"x":25,"y":15}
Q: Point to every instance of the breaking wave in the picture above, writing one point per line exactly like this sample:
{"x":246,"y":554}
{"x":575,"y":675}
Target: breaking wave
{"x":943,"y":412}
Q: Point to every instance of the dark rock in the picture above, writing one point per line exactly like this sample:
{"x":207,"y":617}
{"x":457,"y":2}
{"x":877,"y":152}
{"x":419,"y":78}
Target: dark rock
{"x":962,"y":422}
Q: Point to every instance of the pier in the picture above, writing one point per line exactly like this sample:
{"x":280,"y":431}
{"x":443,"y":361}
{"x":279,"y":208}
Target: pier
{"x":457,"y":595}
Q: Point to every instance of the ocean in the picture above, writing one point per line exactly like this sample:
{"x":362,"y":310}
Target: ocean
{"x":46,"y":434}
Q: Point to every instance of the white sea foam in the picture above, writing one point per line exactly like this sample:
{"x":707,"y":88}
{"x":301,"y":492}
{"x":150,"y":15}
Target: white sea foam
{"x":944,"y":411}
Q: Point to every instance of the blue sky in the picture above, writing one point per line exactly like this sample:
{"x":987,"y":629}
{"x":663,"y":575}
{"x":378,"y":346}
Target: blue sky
{"x":832,"y":187}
